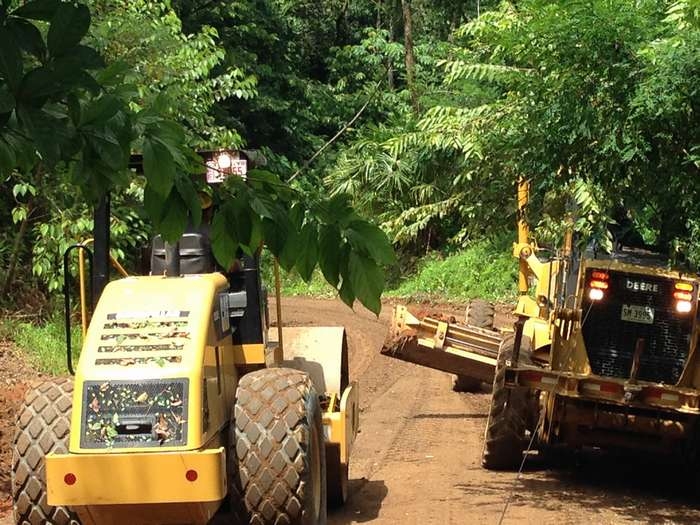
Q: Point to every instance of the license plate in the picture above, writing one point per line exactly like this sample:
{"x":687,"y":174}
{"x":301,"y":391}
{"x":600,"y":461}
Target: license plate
{"x":637,"y":314}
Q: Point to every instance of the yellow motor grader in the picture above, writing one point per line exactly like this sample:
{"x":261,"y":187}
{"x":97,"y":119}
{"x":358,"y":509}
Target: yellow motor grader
{"x":603,"y":354}
{"x":183,"y":408}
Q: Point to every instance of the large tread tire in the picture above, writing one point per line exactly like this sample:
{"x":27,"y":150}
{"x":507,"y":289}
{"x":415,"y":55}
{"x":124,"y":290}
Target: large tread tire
{"x":505,"y":437}
{"x":43,"y":426}
{"x":277,"y":464}
{"x":479,"y":313}
{"x":462,"y":383}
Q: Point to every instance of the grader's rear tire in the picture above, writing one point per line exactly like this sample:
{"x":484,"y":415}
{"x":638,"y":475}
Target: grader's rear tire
{"x":479,"y":313}
{"x":504,"y":441}
{"x":43,"y":425}
{"x":277,"y":461}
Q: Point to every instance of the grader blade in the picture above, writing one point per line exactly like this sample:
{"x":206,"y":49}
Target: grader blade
{"x":443,"y":345}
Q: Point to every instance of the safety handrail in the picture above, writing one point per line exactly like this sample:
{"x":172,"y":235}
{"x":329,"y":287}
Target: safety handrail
{"x":82,"y":249}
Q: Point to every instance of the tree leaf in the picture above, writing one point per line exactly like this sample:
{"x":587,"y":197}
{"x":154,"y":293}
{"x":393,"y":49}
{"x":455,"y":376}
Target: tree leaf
{"x":275,"y":233}
{"x":100,"y":109}
{"x":367,"y":280}
{"x":7,"y":159}
{"x":346,"y":293}
{"x":308,"y":251}
{"x":174,"y":220}
{"x":69,"y":24}
{"x":108,"y":149}
{"x":329,"y":253}
{"x":240,"y":220}
{"x":158,"y":166}
{"x":10,"y":59}
{"x":38,"y":10}
{"x":223,"y":244}
{"x":39,"y":83}
{"x":7,"y":101}
{"x":190,"y":197}
{"x":370,"y":239}
{"x":27,"y":36}
{"x":154,"y":204}
{"x":288,"y":257}
{"x":88,"y":57}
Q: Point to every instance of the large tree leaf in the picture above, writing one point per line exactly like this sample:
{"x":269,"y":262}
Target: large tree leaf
{"x":45,"y":131}
{"x":189,"y":195}
{"x":367,"y":281}
{"x":39,"y":83}
{"x":28,"y":37}
{"x":38,"y":9}
{"x":240,"y":220}
{"x":329,"y":253}
{"x":10,"y":59}
{"x":7,"y":101}
{"x":154,"y":204}
{"x":100,"y":109}
{"x":158,"y":166}
{"x":370,"y":239}
{"x":69,"y":24}
{"x":7,"y":158}
{"x":288,"y":257}
{"x":308,"y":251}
{"x":223,"y":244}
{"x":174,"y":221}
{"x":108,"y":148}
{"x":275,"y":232}
{"x":88,"y":57}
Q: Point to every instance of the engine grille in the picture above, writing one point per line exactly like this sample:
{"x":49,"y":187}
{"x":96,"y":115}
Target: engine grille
{"x":610,"y":341}
{"x":126,"y":414}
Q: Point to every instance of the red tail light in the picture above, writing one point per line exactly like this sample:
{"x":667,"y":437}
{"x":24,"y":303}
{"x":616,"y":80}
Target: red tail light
{"x":597,"y":285}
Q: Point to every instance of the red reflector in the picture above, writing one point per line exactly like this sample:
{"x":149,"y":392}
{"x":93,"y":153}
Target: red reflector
{"x":609,"y":387}
{"x":683,"y":296}
{"x":70,"y":479}
{"x":191,"y":475}
{"x":600,"y":275}
{"x":601,"y":285}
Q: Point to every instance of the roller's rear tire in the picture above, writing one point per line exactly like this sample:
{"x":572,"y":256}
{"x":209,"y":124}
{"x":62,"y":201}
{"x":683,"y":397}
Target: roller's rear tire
{"x":277,"y":462}
{"x":43,"y":426}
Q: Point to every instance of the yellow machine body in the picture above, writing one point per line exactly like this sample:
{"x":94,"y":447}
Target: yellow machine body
{"x":578,"y":407}
{"x":164,"y":345}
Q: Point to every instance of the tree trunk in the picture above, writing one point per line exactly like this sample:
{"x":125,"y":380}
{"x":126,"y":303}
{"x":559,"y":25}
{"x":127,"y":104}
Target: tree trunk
{"x":409,"y":54}
{"x":16,"y":249}
{"x":390,"y":65}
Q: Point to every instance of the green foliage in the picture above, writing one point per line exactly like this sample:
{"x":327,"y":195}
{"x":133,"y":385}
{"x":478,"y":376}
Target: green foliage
{"x":484,"y":269}
{"x":44,"y":343}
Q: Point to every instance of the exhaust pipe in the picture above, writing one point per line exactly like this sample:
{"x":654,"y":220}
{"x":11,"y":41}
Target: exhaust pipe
{"x":172,"y":259}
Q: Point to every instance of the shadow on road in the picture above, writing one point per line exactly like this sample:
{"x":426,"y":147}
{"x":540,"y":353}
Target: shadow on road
{"x":450,"y":416}
{"x":643,"y":489}
{"x":364,"y":501}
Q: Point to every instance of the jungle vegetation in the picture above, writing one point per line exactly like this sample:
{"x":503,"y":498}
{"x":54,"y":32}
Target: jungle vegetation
{"x":418,"y":115}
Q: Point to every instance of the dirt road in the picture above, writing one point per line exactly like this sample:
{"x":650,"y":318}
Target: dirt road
{"x":417,"y":458}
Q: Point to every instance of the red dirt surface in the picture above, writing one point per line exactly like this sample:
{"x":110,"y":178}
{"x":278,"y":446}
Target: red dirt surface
{"x":15,"y":377}
{"x":417,"y":459}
